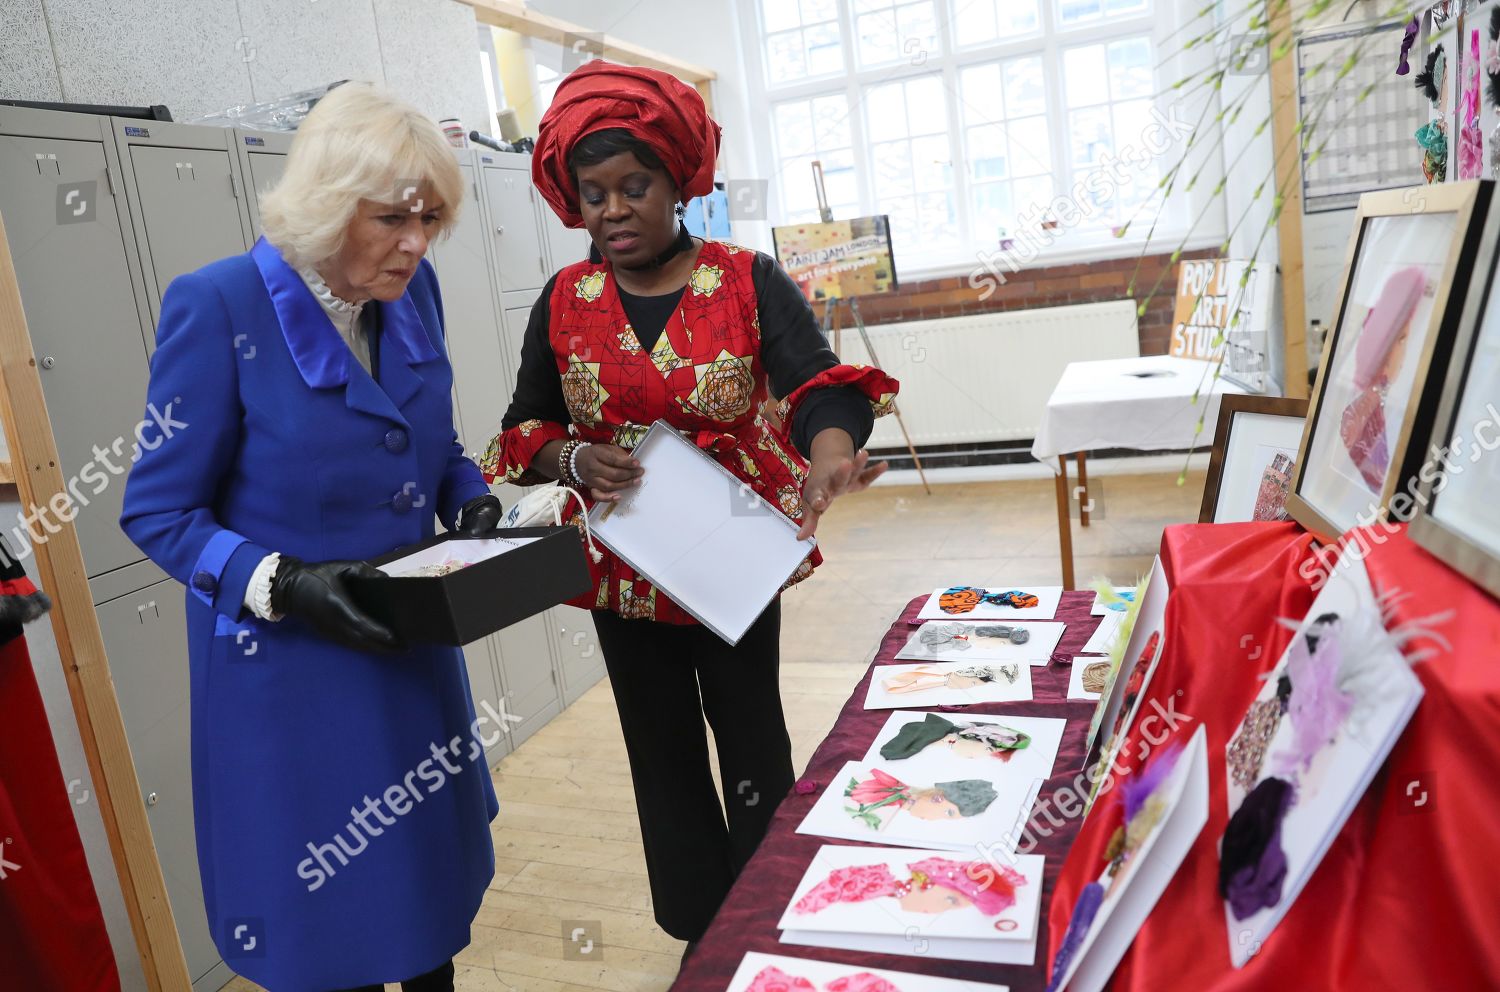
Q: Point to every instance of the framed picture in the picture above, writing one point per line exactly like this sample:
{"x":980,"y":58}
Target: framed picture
{"x":1404,"y":284}
{"x":1455,"y":517}
{"x":1254,"y":453}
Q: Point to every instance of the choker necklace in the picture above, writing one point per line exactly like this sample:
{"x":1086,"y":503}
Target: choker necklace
{"x":683,"y":242}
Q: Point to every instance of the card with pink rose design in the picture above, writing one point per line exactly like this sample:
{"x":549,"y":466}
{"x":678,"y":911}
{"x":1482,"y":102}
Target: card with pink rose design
{"x":778,"y":973}
{"x":930,"y":903}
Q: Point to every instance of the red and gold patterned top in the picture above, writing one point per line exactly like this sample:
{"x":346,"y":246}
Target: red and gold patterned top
{"x":704,"y":376}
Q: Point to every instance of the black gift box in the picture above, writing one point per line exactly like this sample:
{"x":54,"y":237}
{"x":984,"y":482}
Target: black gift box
{"x":478,"y":599}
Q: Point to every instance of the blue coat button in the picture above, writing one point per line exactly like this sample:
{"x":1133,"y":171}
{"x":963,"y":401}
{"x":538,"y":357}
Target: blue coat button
{"x":205,"y":582}
{"x":401,"y":502}
{"x":396,"y":440}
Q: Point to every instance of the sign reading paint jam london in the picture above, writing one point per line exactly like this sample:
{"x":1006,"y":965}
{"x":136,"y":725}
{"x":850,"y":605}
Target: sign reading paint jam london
{"x":839,"y":259}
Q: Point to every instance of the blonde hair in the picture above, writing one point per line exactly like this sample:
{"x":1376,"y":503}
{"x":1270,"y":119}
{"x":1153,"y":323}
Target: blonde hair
{"x":360,"y":142}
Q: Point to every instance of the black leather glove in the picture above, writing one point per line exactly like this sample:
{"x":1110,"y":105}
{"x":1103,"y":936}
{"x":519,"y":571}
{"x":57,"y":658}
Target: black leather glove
{"x":480,"y":516}
{"x":316,"y":592}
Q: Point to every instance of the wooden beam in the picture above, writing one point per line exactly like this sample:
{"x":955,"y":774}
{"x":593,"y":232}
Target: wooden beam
{"x":1286,"y":139}
{"x":513,"y":15}
{"x":80,"y":646}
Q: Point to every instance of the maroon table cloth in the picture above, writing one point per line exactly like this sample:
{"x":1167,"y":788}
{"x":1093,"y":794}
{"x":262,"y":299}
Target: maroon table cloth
{"x":747,"y":920}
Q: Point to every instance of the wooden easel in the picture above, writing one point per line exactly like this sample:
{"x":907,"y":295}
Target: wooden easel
{"x":80,"y":646}
{"x":833,"y":325}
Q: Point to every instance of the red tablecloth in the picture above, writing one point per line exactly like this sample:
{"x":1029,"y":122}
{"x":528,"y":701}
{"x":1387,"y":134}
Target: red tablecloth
{"x":1408,"y":896}
{"x":747,"y":920}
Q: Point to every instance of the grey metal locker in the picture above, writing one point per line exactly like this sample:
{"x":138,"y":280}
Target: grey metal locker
{"x":481,"y":378}
{"x":580,"y":659}
{"x":75,"y":261}
{"x":565,"y":245}
{"x":262,"y":159}
{"x":146,"y":641}
{"x":184,"y":197}
{"x":486,"y":688}
{"x":531,"y":683}
{"x":514,"y":229}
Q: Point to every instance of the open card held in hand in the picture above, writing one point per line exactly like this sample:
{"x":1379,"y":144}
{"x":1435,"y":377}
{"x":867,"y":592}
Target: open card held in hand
{"x":700,"y":535}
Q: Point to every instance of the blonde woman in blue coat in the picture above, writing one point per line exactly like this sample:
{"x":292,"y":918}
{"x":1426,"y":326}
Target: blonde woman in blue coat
{"x":341,"y":799}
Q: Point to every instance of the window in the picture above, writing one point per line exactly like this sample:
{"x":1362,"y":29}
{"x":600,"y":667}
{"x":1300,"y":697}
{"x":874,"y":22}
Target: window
{"x":964,"y":119}
{"x":816,"y":129}
{"x":802,"y":39}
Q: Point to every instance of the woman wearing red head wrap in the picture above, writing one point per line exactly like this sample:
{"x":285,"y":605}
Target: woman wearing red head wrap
{"x":659,"y":325}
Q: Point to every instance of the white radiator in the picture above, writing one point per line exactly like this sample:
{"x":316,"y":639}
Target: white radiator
{"x":986,"y":377}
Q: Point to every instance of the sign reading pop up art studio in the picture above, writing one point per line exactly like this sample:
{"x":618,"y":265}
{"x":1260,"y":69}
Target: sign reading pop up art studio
{"x":839,"y":259}
{"x":1228,"y":307}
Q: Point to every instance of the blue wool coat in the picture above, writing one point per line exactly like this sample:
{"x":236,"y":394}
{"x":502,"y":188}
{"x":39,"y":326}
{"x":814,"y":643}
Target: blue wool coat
{"x":341,"y":799}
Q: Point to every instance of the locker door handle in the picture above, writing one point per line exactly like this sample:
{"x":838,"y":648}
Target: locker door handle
{"x":500,"y":229}
{"x":140,"y":611}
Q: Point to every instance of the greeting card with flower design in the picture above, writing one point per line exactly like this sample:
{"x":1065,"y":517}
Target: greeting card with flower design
{"x":778,"y":973}
{"x":903,"y":901}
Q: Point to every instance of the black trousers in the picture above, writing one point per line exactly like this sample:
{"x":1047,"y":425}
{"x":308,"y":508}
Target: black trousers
{"x":666,"y":679}
{"x":440,"y":979}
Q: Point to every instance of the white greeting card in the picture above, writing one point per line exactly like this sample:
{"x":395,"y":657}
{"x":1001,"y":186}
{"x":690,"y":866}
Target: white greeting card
{"x":1142,"y":876}
{"x":918,"y":902}
{"x":1088,"y":672}
{"x":1104,"y":634}
{"x":776,"y":972}
{"x":1323,"y":723}
{"x":453,"y":555}
{"x":962,"y":640}
{"x":951,"y":683}
{"x":689,"y":518}
{"x":977,"y":603}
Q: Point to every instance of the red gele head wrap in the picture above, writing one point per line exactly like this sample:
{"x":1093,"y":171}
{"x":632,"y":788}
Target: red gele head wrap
{"x":656,"y":107}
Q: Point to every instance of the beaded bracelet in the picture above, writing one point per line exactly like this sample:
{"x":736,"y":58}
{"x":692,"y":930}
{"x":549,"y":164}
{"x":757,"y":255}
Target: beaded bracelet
{"x":565,"y":463}
{"x":573,"y":463}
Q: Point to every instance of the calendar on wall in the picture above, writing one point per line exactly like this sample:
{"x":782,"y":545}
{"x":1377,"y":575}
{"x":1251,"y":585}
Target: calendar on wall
{"x":1360,"y":145}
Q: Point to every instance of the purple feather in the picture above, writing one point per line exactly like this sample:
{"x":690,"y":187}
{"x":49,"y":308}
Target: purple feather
{"x":1135,"y":790}
{"x":1084,"y":911}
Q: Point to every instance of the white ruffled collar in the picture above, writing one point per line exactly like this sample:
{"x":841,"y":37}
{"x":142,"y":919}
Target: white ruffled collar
{"x":325,"y":295}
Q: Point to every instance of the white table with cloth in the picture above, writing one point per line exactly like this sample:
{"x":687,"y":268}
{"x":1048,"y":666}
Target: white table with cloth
{"x":1143,"y":404}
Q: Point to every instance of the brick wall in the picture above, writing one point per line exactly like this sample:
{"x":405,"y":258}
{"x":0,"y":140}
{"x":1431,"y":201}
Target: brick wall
{"x":1058,"y":285}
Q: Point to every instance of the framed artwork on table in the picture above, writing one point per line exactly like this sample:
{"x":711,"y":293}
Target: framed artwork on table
{"x":1405,"y":280}
{"x":1456,"y":518}
{"x":1254,"y":453}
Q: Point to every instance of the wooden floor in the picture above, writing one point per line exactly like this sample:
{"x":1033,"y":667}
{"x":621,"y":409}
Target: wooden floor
{"x":567,"y":846}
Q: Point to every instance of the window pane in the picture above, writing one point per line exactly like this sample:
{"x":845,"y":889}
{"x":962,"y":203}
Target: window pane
{"x":1019,"y":16}
{"x":885,"y":112}
{"x":931,"y":166}
{"x":1030,"y":147}
{"x":983,"y":100}
{"x":824,"y":53}
{"x":839,"y":182}
{"x":1025,"y":89}
{"x":992,"y":212}
{"x":1035,"y":192}
{"x":974,"y":22}
{"x":780,"y":14}
{"x":794,"y":132}
{"x":784,"y":59}
{"x":1113,"y":7}
{"x":917,"y":26}
{"x":797,"y":190}
{"x":1130,"y":68}
{"x":814,"y":11}
{"x":1077,"y":11}
{"x":939,"y":225}
{"x":1131,"y":120}
{"x":877,"y":39}
{"x":831,"y":121}
{"x":926,"y":108}
{"x":1084,"y":75}
{"x":903,"y":214}
{"x":1090,"y":134}
{"x":987,"y":158}
{"x":893,"y":172}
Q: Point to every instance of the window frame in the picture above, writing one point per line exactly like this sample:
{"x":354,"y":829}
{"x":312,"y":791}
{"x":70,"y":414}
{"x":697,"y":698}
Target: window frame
{"x":1049,"y":43}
